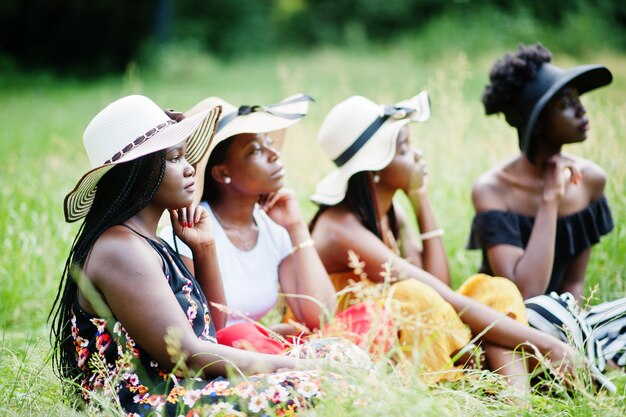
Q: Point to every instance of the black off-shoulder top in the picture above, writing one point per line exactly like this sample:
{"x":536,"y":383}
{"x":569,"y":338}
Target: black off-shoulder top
{"x":574,"y":234}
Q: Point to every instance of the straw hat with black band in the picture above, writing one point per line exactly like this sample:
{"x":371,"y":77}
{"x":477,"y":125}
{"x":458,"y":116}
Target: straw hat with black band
{"x":360,"y":135}
{"x":272,"y":119}
{"x":127,"y":129}
{"x":536,"y":94}
{"x":254,"y":118}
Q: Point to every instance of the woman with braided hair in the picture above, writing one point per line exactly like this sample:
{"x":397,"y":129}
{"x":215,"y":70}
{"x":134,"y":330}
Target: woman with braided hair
{"x":129,"y":319}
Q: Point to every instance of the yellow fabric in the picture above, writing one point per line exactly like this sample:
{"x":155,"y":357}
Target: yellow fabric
{"x":425,"y":320}
{"x":499,"y":293}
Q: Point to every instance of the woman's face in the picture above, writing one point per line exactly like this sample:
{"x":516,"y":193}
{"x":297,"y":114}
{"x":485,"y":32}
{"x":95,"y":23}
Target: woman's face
{"x":178,"y":184}
{"x":407,"y":168}
{"x":253,"y":165}
{"x":564,"y":119}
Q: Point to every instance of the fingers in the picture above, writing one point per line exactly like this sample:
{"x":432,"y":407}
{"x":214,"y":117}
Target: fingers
{"x":562,"y":164}
{"x":182,"y":216}
{"x":187,"y":216}
{"x":576,"y":175}
{"x":273,"y":198}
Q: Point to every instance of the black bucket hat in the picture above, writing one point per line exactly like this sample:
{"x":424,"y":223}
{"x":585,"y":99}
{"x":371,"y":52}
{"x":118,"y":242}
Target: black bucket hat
{"x":523,"y":114}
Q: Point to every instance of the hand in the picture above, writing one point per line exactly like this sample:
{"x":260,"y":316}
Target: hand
{"x":192,"y":225}
{"x":558,"y":170}
{"x":564,"y":360}
{"x":418,"y":183}
{"x":282,"y":207}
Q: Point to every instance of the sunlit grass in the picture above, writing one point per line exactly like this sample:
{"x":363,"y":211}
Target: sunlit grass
{"x":42,"y":123}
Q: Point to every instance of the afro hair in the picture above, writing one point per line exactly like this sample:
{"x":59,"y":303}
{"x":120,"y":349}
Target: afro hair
{"x":509,"y":75}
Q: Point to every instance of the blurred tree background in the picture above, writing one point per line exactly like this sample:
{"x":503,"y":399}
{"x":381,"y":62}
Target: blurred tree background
{"x":95,"y":37}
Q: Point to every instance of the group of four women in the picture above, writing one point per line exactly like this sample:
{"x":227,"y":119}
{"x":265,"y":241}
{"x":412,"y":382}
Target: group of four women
{"x":139,"y":308}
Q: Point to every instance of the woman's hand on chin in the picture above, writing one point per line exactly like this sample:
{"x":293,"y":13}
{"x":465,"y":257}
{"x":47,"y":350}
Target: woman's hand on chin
{"x":192,"y":225}
{"x":282,"y":206}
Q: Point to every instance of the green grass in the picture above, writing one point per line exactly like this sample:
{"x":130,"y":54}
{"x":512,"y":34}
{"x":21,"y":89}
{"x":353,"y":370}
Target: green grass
{"x":42,"y":121}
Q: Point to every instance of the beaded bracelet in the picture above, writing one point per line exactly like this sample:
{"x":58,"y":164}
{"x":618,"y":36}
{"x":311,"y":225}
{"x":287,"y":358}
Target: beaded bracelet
{"x":431,"y":234}
{"x":304,"y":244}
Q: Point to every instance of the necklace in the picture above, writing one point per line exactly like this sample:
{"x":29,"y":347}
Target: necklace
{"x":236,"y":234}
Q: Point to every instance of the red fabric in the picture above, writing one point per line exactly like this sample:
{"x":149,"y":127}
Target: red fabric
{"x":367,"y":325}
{"x":249,"y":336}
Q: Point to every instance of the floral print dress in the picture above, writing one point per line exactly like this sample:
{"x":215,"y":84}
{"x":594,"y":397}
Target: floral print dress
{"x":113,"y":364}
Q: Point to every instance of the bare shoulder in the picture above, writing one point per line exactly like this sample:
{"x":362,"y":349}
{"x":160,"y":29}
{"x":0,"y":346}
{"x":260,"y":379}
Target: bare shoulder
{"x":488,"y":191}
{"x":335,"y":225}
{"x":119,"y":252}
{"x":594,"y":177}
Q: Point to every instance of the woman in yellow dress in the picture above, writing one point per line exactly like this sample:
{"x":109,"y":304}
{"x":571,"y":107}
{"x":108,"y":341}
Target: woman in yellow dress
{"x":359,"y":229}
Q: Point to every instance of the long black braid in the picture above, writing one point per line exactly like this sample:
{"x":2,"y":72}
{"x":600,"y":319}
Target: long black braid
{"x":121,"y":193}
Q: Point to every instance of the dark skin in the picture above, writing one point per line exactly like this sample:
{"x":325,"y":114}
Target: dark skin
{"x":128,"y":274}
{"x":338,"y":230}
{"x":557,"y":185}
{"x":256,"y":175}
{"x":430,"y":255}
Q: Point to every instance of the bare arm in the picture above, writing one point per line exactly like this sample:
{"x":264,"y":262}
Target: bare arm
{"x":204,"y":266}
{"x":434,"y":257}
{"x":574,"y":280}
{"x":529,"y":268}
{"x":302,"y":272}
{"x":346,"y":233}
{"x":127,"y":271}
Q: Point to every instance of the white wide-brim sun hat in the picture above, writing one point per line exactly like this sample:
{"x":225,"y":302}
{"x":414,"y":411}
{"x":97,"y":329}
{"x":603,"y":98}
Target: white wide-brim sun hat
{"x":127,"y":129}
{"x":360,"y":135}
{"x":254,"y":119}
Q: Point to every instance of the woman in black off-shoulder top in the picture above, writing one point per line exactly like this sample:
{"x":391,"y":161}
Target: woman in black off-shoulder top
{"x":539,"y":213}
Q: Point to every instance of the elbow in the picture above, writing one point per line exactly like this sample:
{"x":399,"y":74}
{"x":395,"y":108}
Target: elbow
{"x":529,"y":291}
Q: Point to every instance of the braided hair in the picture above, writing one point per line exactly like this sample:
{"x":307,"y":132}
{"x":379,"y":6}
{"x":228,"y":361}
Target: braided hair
{"x":120,"y":194}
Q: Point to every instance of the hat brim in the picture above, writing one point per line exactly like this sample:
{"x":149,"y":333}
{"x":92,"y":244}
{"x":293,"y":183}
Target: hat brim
{"x":584,"y":77}
{"x":255,"y":122}
{"x":376,"y":154}
{"x":198,"y":130}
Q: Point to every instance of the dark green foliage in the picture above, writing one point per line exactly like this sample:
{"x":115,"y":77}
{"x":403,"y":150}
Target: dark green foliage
{"x":86,"y":37}
{"x":93,"y":36}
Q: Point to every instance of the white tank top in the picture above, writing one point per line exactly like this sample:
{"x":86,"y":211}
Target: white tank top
{"x":250,"y":277}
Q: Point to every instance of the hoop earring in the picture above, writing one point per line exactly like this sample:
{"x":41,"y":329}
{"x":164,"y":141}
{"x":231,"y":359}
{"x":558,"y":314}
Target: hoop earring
{"x":376,"y":178}
{"x":227,"y":180}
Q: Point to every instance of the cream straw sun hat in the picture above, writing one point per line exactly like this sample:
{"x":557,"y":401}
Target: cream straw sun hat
{"x":127,"y":129}
{"x":360,"y":135}
{"x":254,"y":119}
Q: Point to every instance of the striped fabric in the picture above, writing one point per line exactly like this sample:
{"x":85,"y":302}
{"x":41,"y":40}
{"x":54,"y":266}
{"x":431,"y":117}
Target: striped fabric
{"x":608,"y":322}
{"x":589,"y":332}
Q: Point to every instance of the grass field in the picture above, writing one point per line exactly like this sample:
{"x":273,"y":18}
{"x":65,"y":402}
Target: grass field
{"x":42,"y":120}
